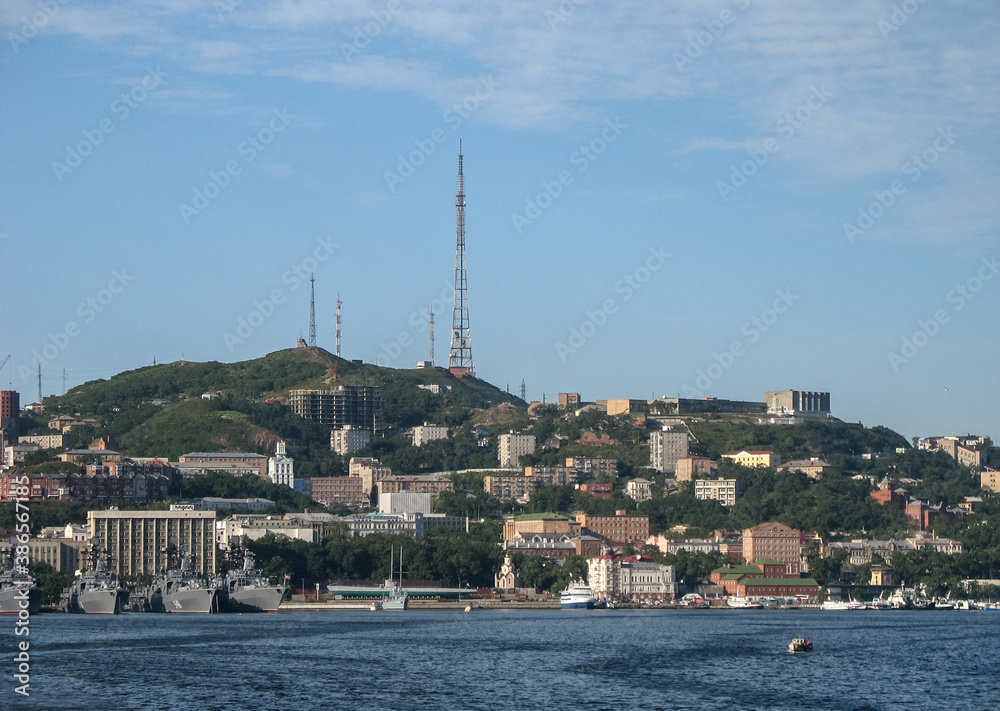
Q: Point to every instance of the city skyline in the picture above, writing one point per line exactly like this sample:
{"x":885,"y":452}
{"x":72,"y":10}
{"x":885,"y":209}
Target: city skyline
{"x":662,"y":201}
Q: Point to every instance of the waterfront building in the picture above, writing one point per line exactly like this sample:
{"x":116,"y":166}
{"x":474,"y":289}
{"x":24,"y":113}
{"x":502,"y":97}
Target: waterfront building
{"x":339,"y":491}
{"x":775,"y":541}
{"x":147,"y":542}
{"x":634,"y":578}
{"x":281,"y":468}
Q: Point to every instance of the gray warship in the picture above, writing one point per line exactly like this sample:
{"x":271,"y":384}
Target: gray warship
{"x":180,"y":590}
{"x":247,"y":589}
{"x":97,"y":591}
{"x":18,"y":591}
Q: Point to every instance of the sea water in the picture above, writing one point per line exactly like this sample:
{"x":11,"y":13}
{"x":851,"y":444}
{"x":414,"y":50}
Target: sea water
{"x":495,"y":660}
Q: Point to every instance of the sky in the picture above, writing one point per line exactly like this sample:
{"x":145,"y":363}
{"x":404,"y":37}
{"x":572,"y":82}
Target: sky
{"x":684,"y":198}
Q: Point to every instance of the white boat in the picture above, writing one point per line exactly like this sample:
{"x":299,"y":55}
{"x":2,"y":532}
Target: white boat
{"x":577,"y":595}
{"x":741,"y":602}
{"x":842,"y":605}
{"x":800,"y":644}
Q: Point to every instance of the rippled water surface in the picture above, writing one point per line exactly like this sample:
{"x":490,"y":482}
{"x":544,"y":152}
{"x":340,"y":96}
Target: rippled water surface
{"x":533,"y":659}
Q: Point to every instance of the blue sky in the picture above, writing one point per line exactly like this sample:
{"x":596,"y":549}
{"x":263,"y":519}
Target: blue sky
{"x":663,"y":198}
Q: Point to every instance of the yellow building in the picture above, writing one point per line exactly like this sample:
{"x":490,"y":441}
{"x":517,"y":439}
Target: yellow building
{"x":755,"y":458}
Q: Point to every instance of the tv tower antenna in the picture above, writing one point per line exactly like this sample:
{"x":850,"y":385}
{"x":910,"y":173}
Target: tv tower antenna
{"x":431,"y":327}
{"x":338,"y":325}
{"x":460,"y":360}
{"x":312,"y":310}
{"x":39,"y":382}
{"x":523,"y":389}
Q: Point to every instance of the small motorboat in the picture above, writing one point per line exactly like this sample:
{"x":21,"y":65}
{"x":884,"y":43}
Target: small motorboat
{"x":800,"y":644}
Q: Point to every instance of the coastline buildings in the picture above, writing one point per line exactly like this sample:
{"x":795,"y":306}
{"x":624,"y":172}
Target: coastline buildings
{"x":616,"y":530}
{"x":339,"y":490}
{"x":691,"y":467}
{"x":235,"y":463}
{"x":634,"y":578}
{"x":774,"y":541}
{"x":10,"y":413}
{"x":148,"y":542}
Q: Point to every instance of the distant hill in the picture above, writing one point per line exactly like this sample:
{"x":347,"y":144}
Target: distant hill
{"x":158,"y":410}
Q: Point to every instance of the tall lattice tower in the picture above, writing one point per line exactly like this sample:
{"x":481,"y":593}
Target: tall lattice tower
{"x":431,"y":329}
{"x":460,"y":361}
{"x":338,"y":325}
{"x":312,"y":310}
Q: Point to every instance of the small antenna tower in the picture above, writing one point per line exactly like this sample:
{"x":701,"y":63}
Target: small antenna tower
{"x":524,"y":390}
{"x":338,"y":325}
{"x":64,"y":381}
{"x":312,"y":310}
{"x":39,"y":382}
{"x":432,"y":336}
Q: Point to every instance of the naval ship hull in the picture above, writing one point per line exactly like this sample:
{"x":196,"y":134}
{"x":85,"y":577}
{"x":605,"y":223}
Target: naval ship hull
{"x":102,"y":602}
{"x":257,"y":599}
{"x":192,"y":601}
{"x":12,"y":599}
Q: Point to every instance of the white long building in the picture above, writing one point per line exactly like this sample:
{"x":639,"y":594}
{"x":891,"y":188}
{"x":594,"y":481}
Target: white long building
{"x":630,"y":578}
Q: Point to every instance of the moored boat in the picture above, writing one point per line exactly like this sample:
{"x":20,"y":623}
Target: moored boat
{"x":741,"y":602}
{"x":18,"y":591}
{"x":187,"y":591}
{"x":97,"y":591}
{"x":577,"y":595}
{"x":248,"y":589}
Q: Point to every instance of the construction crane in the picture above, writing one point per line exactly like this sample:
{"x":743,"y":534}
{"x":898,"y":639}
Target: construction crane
{"x":4,"y":362}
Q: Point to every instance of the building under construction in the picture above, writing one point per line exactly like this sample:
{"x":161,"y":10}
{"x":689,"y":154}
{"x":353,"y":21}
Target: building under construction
{"x":357,"y":405}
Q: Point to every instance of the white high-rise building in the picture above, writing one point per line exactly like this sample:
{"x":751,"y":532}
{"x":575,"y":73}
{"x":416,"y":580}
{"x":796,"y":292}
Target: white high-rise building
{"x":513,"y":446}
{"x":665,"y":448}
{"x":280,"y":468}
{"x":349,"y":439}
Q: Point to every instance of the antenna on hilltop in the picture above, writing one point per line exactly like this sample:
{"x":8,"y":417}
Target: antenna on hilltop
{"x":524,"y":390}
{"x":312,"y":310}
{"x":39,"y":382}
{"x":338,"y":325}
{"x":460,"y":360}
{"x":431,"y":326}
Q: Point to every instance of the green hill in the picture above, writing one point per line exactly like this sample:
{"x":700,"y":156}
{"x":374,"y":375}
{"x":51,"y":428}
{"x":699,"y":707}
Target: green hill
{"x":158,"y":410}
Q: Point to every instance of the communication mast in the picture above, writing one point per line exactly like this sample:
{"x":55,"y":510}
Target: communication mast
{"x":460,"y":359}
{"x":312,"y":310}
{"x":431,"y":326}
{"x":338,"y":325}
